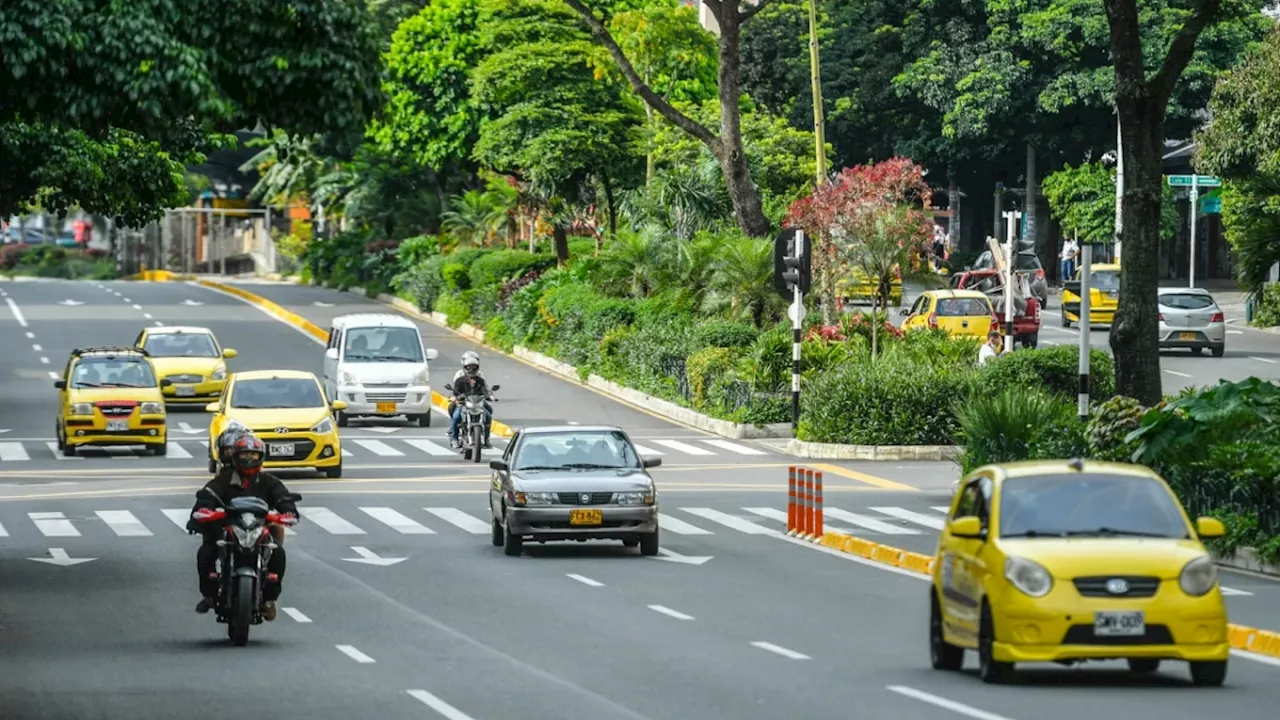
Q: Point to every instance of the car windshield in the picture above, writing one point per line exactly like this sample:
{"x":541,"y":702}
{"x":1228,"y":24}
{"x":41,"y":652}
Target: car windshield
{"x":267,"y":393}
{"x":1089,"y":505}
{"x":1027,"y":261}
{"x":1105,"y":281}
{"x":182,"y":345}
{"x":961,"y":307}
{"x":582,"y":450}
{"x":1186,"y":301}
{"x":383,"y":344}
{"x":101,"y":372}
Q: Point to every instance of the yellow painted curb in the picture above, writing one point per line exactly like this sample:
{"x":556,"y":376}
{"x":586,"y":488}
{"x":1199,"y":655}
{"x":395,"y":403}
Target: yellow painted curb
{"x":1241,"y":637}
{"x":440,"y":401}
{"x":158,"y":276}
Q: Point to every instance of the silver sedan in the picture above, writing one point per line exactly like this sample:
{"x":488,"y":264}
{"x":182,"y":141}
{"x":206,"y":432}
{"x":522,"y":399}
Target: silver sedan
{"x":1191,"y":318}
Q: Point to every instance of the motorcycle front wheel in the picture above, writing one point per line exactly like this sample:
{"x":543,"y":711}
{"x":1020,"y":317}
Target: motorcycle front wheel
{"x":477,"y":442}
{"x":241,"y":612}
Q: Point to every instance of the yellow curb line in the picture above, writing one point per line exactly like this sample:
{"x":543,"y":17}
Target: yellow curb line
{"x":438,"y":400}
{"x":1241,"y":637}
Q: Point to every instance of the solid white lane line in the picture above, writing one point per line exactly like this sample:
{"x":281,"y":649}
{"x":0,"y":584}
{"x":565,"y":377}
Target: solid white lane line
{"x":177,"y":451}
{"x":737,"y":523}
{"x":670,"y":613}
{"x":683,"y":447}
{"x":945,"y":704}
{"x":679,"y":527}
{"x":867,"y":523}
{"x":123,"y":523}
{"x":936,"y":523}
{"x":584,"y":580}
{"x":295,"y":614}
{"x":54,"y":524}
{"x":379,"y":448}
{"x":1264,"y":659}
{"x":1175,"y":372}
{"x":17,"y":314}
{"x":13,"y":451}
{"x":1262,"y":359}
{"x":430,"y":448}
{"x":354,"y":654}
{"x":446,"y":711}
{"x":460,"y":519}
{"x":735,"y":447}
{"x":401,"y":523}
{"x":329,"y":520}
{"x":779,"y":650}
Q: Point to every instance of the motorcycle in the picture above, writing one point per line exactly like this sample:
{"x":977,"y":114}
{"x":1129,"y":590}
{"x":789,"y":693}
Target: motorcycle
{"x":472,"y":425}
{"x":242,"y":558}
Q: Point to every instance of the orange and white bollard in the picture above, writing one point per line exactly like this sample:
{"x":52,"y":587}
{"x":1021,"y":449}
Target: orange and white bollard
{"x":806,"y":532}
{"x":817,"y":507}
{"x":793,"y":510}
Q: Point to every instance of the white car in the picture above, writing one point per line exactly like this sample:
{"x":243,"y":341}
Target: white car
{"x":1191,"y":318}
{"x":377,"y":365}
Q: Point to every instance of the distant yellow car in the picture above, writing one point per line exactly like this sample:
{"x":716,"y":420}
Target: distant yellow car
{"x":962,"y":313}
{"x":856,"y":286}
{"x":288,"y":410}
{"x":109,"y":396}
{"x":1104,"y":296}
{"x":191,"y":358}
{"x":1071,"y":561}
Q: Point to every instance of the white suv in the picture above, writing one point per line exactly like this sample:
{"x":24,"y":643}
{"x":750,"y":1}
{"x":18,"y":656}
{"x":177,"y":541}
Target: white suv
{"x":377,"y":365}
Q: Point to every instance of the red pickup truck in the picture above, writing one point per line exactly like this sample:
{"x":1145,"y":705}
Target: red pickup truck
{"x":1026,"y":324}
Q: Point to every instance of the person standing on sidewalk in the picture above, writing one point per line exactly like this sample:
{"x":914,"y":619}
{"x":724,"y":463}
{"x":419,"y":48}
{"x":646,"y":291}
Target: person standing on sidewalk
{"x":1070,"y":251}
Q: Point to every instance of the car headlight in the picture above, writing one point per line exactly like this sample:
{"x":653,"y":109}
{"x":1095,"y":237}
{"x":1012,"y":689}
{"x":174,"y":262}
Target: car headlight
{"x":422,"y":378}
{"x":1199,"y":576}
{"x":247,"y":538}
{"x":324,"y":427}
{"x":81,"y":408}
{"x":152,"y":408}
{"x":536,"y":498}
{"x":635,"y":498}
{"x":347,"y":379}
{"x":1028,"y":577}
{"x":219,"y":373}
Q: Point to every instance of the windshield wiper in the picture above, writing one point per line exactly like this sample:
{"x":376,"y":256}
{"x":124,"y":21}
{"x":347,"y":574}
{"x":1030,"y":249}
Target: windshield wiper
{"x":592,"y":466}
{"x":539,"y":467}
{"x":1115,"y":531}
{"x":1036,"y":533}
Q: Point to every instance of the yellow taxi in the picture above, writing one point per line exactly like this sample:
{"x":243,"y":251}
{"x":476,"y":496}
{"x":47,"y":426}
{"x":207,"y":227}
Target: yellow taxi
{"x":191,"y":359}
{"x":109,"y":396}
{"x":1104,"y":296}
{"x":856,"y":286}
{"x":962,"y":313}
{"x":288,"y":410}
{"x":1071,"y":561}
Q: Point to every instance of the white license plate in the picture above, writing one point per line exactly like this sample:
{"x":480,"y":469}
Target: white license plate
{"x":1119,"y":624}
{"x":277,"y":449}
{"x":117,"y":425}
{"x":186,"y":391}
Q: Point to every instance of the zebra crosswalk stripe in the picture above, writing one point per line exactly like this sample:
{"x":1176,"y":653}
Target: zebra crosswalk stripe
{"x":735,"y":447}
{"x":53,"y":448}
{"x":460,"y":519}
{"x":13,"y":451}
{"x":396,"y":521}
{"x":176,"y":450}
{"x":54,"y":524}
{"x":678,"y":526}
{"x":867,"y":523}
{"x":430,"y":448}
{"x":936,"y":523}
{"x":330,"y":521}
{"x":379,"y":448}
{"x":731,"y":521}
{"x":123,"y":523}
{"x":683,"y":447}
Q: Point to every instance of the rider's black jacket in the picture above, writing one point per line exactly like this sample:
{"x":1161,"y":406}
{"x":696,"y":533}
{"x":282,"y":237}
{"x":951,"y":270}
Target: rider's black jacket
{"x":267,"y":487}
{"x":467,"y":385}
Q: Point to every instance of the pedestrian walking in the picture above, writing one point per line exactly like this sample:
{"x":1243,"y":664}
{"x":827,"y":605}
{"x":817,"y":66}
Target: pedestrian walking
{"x":991,"y":348}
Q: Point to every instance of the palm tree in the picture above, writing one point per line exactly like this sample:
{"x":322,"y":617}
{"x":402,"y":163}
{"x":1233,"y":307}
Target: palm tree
{"x":473,"y":217}
{"x":636,"y":261}
{"x":744,"y":274}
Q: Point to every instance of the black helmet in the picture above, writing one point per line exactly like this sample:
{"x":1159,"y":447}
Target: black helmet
{"x":227,"y":440}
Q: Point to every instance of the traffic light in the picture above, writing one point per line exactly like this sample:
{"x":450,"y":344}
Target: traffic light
{"x":788,"y":270}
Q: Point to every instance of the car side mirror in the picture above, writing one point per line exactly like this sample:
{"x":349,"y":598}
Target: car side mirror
{"x":497,"y":387}
{"x":338,"y":405}
{"x":499,"y":465}
{"x":211,"y":407}
{"x":165,"y":382}
{"x":652,"y":462}
{"x":331,"y":354}
{"x":1208,"y":527}
{"x":969,"y":527}
{"x":60,"y":384}
{"x":228,"y":353}
{"x":448,"y":387}
{"x":905,"y":312}
{"x":432,"y":354}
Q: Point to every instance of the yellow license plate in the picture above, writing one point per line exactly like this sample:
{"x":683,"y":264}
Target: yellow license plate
{"x":1186,"y":336}
{"x":586,"y":517}
{"x":386,"y":407}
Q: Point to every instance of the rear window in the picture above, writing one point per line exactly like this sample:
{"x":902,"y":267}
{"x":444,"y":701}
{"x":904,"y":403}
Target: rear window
{"x":1186,"y":301}
{"x":1089,"y":505}
{"x":961,"y":307}
{"x":182,"y":345}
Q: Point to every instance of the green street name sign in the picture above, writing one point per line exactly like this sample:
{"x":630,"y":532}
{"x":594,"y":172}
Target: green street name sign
{"x":1201,"y":180}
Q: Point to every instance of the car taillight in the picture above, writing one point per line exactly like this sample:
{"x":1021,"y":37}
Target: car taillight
{"x":1217,"y":317}
{"x":933,"y":321}
{"x":1160,"y":317}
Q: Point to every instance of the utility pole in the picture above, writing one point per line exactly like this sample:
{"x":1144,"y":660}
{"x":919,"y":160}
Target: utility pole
{"x":815,"y":76}
{"x":1119,"y":187}
{"x":1086,"y":269}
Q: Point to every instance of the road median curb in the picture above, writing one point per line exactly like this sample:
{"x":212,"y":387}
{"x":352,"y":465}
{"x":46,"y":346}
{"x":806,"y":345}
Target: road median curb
{"x":1241,"y":637}
{"x":319,"y":333}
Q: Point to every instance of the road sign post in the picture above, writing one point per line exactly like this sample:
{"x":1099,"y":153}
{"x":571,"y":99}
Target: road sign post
{"x":1195,"y":182}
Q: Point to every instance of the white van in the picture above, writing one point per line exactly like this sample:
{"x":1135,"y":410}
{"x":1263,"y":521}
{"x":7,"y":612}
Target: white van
{"x":377,"y":365}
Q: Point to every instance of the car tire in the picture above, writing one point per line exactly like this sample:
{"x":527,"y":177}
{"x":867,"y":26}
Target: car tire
{"x":649,"y":544}
{"x":1144,"y":666}
{"x":1065,"y":322}
{"x":68,"y":450}
{"x":424,"y":420}
{"x":160,"y":450}
{"x":334,"y":472}
{"x":990,"y":670}
{"x":1219,"y":351}
{"x":1210,"y":674}
{"x":343,"y":419}
{"x":631,"y":542}
{"x":512,"y":545}
{"x":942,"y":655}
{"x":496,"y":532}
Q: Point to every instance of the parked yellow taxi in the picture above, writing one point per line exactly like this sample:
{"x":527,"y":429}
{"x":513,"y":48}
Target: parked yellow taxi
{"x":1072,"y":561}
{"x":288,"y":410}
{"x":1104,"y":296}
{"x":857,"y":287}
{"x":191,"y":359}
{"x":109,"y":396}
{"x":964,"y":313}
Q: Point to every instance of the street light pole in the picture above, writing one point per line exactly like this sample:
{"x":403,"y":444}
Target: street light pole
{"x":815,"y":77}
{"x":1086,"y":269}
{"x":1195,"y":200}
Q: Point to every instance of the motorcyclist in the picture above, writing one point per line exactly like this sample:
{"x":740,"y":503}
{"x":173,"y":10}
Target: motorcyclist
{"x":242,"y":477}
{"x":469,"y":381}
{"x":224,"y":444}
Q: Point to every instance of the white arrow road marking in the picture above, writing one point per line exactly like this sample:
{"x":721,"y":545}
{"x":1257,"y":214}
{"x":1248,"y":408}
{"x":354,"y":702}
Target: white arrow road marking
{"x":186,"y":428}
{"x":368,"y":557}
{"x":191,"y":303}
{"x":675,"y":557}
{"x":58,"y":556}
{"x":71,"y":303}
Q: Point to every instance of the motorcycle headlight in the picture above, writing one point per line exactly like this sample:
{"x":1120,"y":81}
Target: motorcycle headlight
{"x":536,"y":498}
{"x":81,"y":408}
{"x":152,"y":408}
{"x":1028,"y":577}
{"x":247,"y":538}
{"x":1199,"y":576}
{"x":421,"y":378}
{"x":635,"y":498}
{"x":324,"y":427}
{"x":347,"y":379}
{"x":219,"y":373}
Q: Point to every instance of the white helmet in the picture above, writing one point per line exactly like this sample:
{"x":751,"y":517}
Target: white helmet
{"x":471,"y":362}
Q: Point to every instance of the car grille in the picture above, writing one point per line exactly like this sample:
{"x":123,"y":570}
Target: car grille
{"x":384,"y":397}
{"x":116,"y":408}
{"x":1097,"y":586}
{"x":186,"y":378}
{"x":599,"y":498}
{"x":301,"y":449}
{"x":389,"y":386}
{"x":1083,"y":635}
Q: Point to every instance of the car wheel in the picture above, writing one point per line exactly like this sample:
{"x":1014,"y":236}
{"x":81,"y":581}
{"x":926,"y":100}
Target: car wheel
{"x":1197,"y":351}
{"x":942,"y":655}
{"x":649,"y":544}
{"x":424,"y":420}
{"x":1219,"y":351}
{"x":343,"y":419}
{"x":1209,"y":673}
{"x":1145,"y":666}
{"x":512,"y":544}
{"x":630,"y":542}
{"x":992,"y":671}
{"x":496,"y":532}
{"x":160,"y":450}
{"x":68,"y":450}
{"x":334,"y":472}
{"x":1065,"y":322}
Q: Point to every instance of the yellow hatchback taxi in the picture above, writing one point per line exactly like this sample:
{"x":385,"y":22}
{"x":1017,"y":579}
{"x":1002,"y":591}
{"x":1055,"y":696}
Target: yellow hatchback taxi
{"x":965,"y":313}
{"x":1070,"y":561}
{"x":109,"y":396}
{"x":191,"y":359}
{"x":288,"y":410}
{"x":1104,"y":296}
{"x":857,"y":287}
